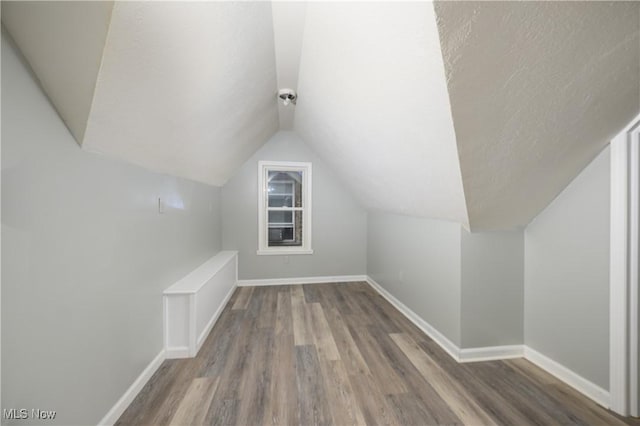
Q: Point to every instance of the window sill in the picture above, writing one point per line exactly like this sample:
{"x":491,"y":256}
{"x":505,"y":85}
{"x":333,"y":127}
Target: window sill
{"x":281,"y":252}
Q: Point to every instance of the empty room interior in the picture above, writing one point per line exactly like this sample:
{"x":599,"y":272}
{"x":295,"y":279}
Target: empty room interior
{"x":320,"y":213}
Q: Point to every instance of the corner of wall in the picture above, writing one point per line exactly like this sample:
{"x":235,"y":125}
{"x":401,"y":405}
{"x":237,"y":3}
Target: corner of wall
{"x":492,"y":287}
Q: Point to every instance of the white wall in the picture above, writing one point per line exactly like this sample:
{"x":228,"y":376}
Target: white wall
{"x":419,"y":262}
{"x":567,"y":276}
{"x":339,"y":223}
{"x":492,"y":288}
{"x":85,"y":258}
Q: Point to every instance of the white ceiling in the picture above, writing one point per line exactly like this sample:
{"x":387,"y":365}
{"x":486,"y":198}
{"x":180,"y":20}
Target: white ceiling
{"x":63,"y":42}
{"x":475,"y":112}
{"x":186,"y":88}
{"x":288,"y":30}
{"x":537,"y":89}
{"x":374,"y":104}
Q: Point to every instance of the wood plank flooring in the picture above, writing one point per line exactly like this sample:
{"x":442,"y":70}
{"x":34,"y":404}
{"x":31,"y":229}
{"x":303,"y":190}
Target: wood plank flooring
{"x":339,"y":354}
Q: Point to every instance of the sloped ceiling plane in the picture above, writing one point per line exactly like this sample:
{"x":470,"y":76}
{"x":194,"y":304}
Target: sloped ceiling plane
{"x":473,"y":112}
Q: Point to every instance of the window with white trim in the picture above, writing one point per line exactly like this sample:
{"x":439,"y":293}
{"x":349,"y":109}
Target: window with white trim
{"x":284,"y":208}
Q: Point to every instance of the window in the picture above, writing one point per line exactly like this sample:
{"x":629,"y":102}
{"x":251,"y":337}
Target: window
{"x":284,"y":208}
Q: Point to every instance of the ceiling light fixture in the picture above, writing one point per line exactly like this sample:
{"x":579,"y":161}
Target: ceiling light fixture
{"x":287,"y":96}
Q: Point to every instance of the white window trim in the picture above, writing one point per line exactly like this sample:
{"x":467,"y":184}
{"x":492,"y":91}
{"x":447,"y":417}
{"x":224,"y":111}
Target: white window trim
{"x":263,"y":228}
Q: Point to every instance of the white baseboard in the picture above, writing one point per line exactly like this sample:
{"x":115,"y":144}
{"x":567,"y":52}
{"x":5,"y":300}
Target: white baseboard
{"x":579,"y":383}
{"x":427,"y":328}
{"x":171,"y":353}
{"x":177,"y":352}
{"x":214,"y":318}
{"x":302,"y":280}
{"x":130,"y":394}
{"x":582,"y":385}
{"x":490,"y":353}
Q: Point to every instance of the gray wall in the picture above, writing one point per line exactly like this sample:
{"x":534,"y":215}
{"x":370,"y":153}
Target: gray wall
{"x":85,"y":257}
{"x":492,"y":288}
{"x":567,"y":276}
{"x":339,"y":223}
{"x":418,"y":261}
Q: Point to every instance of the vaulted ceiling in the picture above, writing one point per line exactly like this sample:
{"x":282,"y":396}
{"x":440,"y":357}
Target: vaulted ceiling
{"x":474,"y":112}
{"x":537,"y":89}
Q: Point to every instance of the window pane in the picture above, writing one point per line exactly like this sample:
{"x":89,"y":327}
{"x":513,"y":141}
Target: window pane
{"x":285,"y":187}
{"x":280,"y":200}
{"x":279,"y":218}
{"x":281,"y":188}
{"x":286,"y":235}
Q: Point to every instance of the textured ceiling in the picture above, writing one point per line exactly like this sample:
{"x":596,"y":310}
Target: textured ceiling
{"x":288,"y":28}
{"x":63,"y":43}
{"x":537,"y":89}
{"x":473,"y":112}
{"x":373,"y":103}
{"x":186,"y":88}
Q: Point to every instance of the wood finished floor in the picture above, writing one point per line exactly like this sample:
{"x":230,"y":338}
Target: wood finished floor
{"x":340,"y":354}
